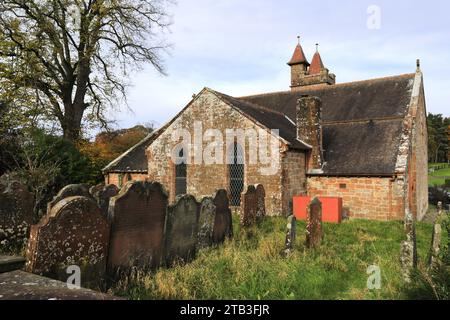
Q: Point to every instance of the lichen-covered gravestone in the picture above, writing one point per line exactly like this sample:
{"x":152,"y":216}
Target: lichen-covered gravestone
{"x":70,"y":190}
{"x":16,"y":214}
{"x":408,"y":248}
{"x":261,"y":203}
{"x":73,"y":233}
{"x":314,"y":232}
{"x":206,"y":222}
{"x":249,"y":207}
{"x":291,"y":231}
{"x":181,"y":230}
{"x":137,"y":216}
{"x":102,"y":194}
{"x":223,"y":223}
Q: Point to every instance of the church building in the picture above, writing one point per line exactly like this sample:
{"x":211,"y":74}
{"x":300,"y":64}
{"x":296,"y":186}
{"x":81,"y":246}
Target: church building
{"x":364,"y":141}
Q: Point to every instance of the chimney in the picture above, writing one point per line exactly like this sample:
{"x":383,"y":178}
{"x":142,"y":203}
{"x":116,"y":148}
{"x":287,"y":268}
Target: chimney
{"x":305,"y":75}
{"x":309,"y":129}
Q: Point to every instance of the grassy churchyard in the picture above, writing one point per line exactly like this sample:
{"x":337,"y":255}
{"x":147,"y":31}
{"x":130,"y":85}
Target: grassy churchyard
{"x":251,"y":266}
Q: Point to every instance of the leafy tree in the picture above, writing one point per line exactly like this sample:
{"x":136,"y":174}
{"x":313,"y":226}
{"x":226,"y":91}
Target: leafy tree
{"x":46,"y":163}
{"x":68,"y":60}
{"x":438,"y":135}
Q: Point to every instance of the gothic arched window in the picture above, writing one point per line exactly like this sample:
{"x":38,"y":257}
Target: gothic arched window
{"x":181,"y":175}
{"x":236,"y":173}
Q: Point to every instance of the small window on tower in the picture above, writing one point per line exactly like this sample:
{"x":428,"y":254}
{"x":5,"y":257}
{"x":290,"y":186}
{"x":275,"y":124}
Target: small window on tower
{"x":343,"y":186}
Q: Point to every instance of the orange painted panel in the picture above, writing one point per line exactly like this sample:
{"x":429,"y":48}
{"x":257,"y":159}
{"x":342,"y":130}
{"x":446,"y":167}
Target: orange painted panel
{"x":331,"y":208}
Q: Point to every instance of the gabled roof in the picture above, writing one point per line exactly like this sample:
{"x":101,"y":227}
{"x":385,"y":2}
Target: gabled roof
{"x":134,"y":159}
{"x":362,"y":121}
{"x":362,"y":124}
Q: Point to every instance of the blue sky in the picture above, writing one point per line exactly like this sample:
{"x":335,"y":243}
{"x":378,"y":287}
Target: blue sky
{"x":241,"y":47}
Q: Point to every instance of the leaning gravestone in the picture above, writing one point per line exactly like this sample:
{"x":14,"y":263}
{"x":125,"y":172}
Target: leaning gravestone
{"x":16,"y":214}
{"x":137,"y":216}
{"x":181,"y":230}
{"x":261,"y":203}
{"x":206,"y":222}
{"x":314,"y":232}
{"x":70,"y":190}
{"x":102,"y":194}
{"x":73,"y":233}
{"x":249,"y":207}
{"x":435,"y":246}
{"x":291,"y":230}
{"x":223,"y":223}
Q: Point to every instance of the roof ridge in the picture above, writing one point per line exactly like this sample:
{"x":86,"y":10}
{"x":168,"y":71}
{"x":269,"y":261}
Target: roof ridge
{"x":343,"y":84}
{"x":252,"y":104}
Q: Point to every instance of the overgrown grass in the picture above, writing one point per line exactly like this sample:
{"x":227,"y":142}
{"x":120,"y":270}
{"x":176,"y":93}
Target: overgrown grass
{"x":251,"y":266}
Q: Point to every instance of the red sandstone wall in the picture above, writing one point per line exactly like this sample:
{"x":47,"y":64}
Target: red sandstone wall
{"x":113,"y":178}
{"x":204,"y":180}
{"x":293,"y":177}
{"x":366,"y":198}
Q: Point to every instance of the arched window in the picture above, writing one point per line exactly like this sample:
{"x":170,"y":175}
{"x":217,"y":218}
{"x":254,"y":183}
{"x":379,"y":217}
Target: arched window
{"x":181,"y":174}
{"x":236,"y":173}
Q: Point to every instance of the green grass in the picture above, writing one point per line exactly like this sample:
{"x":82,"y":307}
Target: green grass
{"x":250,"y":265}
{"x":437,"y":178}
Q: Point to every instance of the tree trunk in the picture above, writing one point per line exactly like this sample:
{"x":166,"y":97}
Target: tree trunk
{"x":71,"y":125}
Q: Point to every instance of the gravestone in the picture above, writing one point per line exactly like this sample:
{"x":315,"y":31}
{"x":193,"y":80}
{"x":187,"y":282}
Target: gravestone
{"x":206,"y":222}
{"x":435,"y":246}
{"x":249,"y":207}
{"x":223,"y":223}
{"x":16,"y":214}
{"x":181,"y":230}
{"x":137,"y":216}
{"x":261,"y":203}
{"x":102,"y":194}
{"x":73,"y":233}
{"x":70,"y":190}
{"x":291,"y":231}
{"x":314,"y":232}
{"x":408,"y":248}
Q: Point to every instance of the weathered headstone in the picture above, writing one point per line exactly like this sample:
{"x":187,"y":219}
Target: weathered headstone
{"x":439,"y":208}
{"x":102,"y":194}
{"x":291,"y":231}
{"x":181,"y":230}
{"x":408,"y":249}
{"x":16,"y":214}
{"x":137,"y":216}
{"x":314,"y":232}
{"x":261,"y":203}
{"x":435,"y":246}
{"x":249,"y":207}
{"x":73,"y":233}
{"x":206,"y":222}
{"x":223,"y":223}
{"x":70,"y":190}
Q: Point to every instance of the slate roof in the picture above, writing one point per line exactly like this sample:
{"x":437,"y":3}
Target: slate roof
{"x":133,"y":160}
{"x":362,"y":124}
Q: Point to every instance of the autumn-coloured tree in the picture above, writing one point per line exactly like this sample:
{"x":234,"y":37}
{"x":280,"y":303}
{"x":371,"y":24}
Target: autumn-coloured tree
{"x":68,"y":60}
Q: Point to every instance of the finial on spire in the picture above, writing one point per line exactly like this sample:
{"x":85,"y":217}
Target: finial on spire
{"x":298,"y":39}
{"x":317,"y":47}
{"x":418,"y":64}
